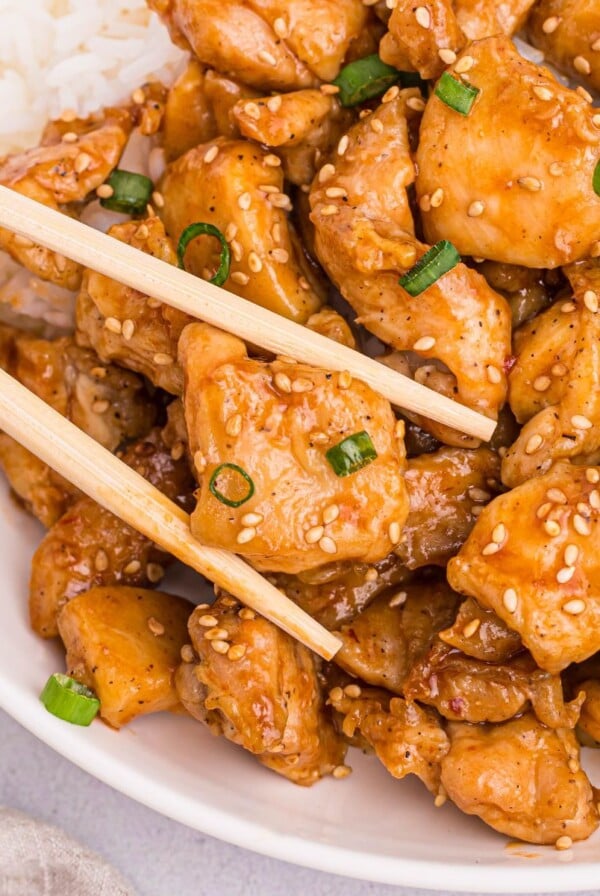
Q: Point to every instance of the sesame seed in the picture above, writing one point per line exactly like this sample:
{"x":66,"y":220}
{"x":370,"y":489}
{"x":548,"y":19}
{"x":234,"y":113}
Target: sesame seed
{"x":595,"y":247}
{"x":326,"y":173}
{"x":329,"y":210}
{"x":510,"y":600}
{"x":573,"y":766}
{"x":280,"y":255}
{"x":314,"y":534}
{"x":533,"y":184}
{"x":565,"y":574}
{"x":550,"y":24}
{"x":423,"y":16}
{"x":574,"y":607}
{"x":578,"y":421}
{"x":254,"y":263}
{"x":345,"y":379}
{"x":153,"y":303}
{"x":493,"y":374}
{"x":564,"y":842}
{"x":211,"y":154}
{"x":330,"y":514}
{"x":68,"y":115}
{"x":352,"y":690}
{"x":245,"y":201}
{"x":343,"y":145}
{"x":594,"y":499}
{"x":252,"y":111}
{"x":568,"y":307}
{"x":476,"y":209}
{"x":100,"y":406}
{"x":590,"y":300}
{"x":246,"y":535}
{"x":391,"y":4}
{"x":415,"y":103}
{"x":542,"y":383}
{"x":556,"y":495}
{"x":394,"y":532}
{"x":464,"y":65}
{"x":336,"y":694}
{"x":303,"y":283}
{"x":398,"y":599}
{"x":82,"y":162}
{"x":247,"y":614}
{"x":70,"y":137}
{"x":138,"y":96}
{"x":478,"y":494}
{"x":341,"y":771}
{"x":240,"y":277}
{"x":101,"y":561}
{"x":187,"y":653}
{"x":581,"y":525}
{"x":391,"y":93}
{"x":231,"y":231}
{"x":592,"y":475}
{"x":252,"y":519}
{"x":556,"y":169}
{"x":582,"y":65}
{"x":283,"y":382}
{"x":440,"y":799}
{"x":156,"y":627}
{"x":280,"y":200}
{"x":559,"y":369}
{"x":221,"y":647}
{"x":595,"y":46}
{"x":490,"y":548}
{"x":272,"y":161}
{"x":329,"y":89}
{"x":424,"y":344}
{"x":216,"y":634}
{"x":371,"y":575}
{"x":551,"y":528}
{"x":571,"y":554}
{"x":154,"y":572}
{"x":60,"y":262}
{"x":543,"y":93}
{"x":267,"y":57}
{"x":437,"y":197}
{"x":376,"y":125}
{"x":132,"y":567}
{"x":336,"y":193}
{"x":158,"y":199}
{"x":543,"y":510}
{"x":112,"y":324}
{"x":587,"y":96}
{"x":534,"y":442}
{"x":471,"y":627}
{"x":499,"y":534}
{"x":319,"y":438}
{"x":161,"y":359}
{"x":233,"y":427}
{"x":328,"y":545}
{"x":142,"y":232}
{"x":236,"y":652}
{"x":448,"y":56}
{"x":128,"y":329}
{"x":208,"y":621}
{"x":302,"y":385}
{"x":237,"y":250}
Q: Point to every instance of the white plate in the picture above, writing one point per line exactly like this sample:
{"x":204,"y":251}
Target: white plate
{"x":368,"y":826}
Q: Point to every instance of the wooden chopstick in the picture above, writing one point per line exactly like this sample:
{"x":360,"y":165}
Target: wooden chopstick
{"x":118,"y":488}
{"x":223,"y":309}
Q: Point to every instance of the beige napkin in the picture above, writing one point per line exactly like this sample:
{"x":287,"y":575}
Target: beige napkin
{"x":39,"y":860}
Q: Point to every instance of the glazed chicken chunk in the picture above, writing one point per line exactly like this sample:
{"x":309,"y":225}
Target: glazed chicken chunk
{"x":521,"y":778}
{"x":480,"y":633}
{"x":533,"y":559}
{"x":512,"y":170}
{"x":259,"y":434}
{"x":568,"y":32}
{"x":249,"y":681}
{"x":365,"y":241}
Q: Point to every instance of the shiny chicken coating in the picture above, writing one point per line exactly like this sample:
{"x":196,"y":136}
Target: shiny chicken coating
{"x":269,"y":44}
{"x":514,"y":168}
{"x":124,"y":644}
{"x":125,"y":326}
{"x":521,"y":778}
{"x":237,"y":186}
{"x":568,"y":33}
{"x":480,"y":633}
{"x":90,"y":547}
{"x":276,"y":421}
{"x":557,"y":380}
{"x":257,"y":686}
{"x":365,"y":241}
{"x":446,"y":491}
{"x":533,"y":559}
{"x":384,"y":642}
{"x":408,"y":739}
{"x":56,"y":175}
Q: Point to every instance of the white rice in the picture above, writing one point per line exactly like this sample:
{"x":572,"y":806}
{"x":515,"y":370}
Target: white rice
{"x":58,"y":55}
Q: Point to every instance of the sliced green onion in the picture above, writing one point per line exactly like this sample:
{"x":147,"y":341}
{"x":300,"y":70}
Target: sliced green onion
{"x":200,"y":229}
{"x":456,"y":94}
{"x":131,"y":192}
{"x":351,"y":454}
{"x":596,"y":179}
{"x":69,"y":700}
{"x":436,"y":262}
{"x":364,"y":79}
{"x":239,"y":472}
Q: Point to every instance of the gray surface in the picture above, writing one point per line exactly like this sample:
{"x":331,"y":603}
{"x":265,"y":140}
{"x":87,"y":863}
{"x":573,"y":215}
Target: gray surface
{"x":160,"y":857}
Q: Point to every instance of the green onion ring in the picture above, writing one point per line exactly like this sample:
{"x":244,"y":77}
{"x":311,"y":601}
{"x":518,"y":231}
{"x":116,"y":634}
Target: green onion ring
{"x":596,"y":179}
{"x":131,"y":192}
{"x":365,"y":79}
{"x":456,"y":94}
{"x":220,"y":496}
{"x":69,"y":700}
{"x":351,"y":454}
{"x":200,"y":229}
{"x":436,"y":262}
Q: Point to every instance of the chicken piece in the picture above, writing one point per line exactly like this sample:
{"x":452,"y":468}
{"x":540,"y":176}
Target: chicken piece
{"x":588,"y":727}
{"x":521,"y":778}
{"x":365,"y":240}
{"x":223,"y":93}
{"x":124,"y":644}
{"x":532,"y":558}
{"x":125,"y":326}
{"x":40,"y":490}
{"x":32,"y":305}
{"x":269,"y":44}
{"x":382,"y":644}
{"x":257,"y":686}
{"x":189,"y":118}
{"x":446,"y":491}
{"x":512,"y":170}
{"x":557,"y":380}
{"x":465,"y":689}
{"x":417,"y":34}
{"x":56,"y":175}
{"x":480,"y":633}
{"x":484,"y":18}
{"x":89,"y":547}
{"x":568,"y":33}
{"x":174,"y":433}
{"x":329,"y":323}
{"x":407,"y":739}
{"x":276,"y":421}
{"x":234,"y":185}
{"x":527,"y":291}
